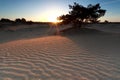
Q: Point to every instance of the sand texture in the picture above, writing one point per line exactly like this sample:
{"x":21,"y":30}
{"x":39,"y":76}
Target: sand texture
{"x":36,"y":55}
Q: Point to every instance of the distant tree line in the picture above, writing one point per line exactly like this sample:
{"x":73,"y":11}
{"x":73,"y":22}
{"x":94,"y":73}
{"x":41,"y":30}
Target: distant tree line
{"x":16,"y":21}
{"x":5,"y":20}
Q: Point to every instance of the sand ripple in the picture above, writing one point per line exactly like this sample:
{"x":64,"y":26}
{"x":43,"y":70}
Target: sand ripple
{"x":54,"y":58}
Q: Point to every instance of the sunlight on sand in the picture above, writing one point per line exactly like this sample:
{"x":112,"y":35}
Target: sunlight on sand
{"x":75,"y":56}
{"x":54,"y":28}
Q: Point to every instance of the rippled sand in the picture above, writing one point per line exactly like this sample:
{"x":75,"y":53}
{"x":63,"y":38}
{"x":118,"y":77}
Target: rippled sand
{"x":79,"y":57}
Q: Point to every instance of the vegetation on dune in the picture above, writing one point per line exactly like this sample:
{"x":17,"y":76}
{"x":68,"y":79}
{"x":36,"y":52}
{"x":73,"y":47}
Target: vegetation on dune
{"x":80,"y":14}
{"x":16,"y":21}
{"x":5,"y":20}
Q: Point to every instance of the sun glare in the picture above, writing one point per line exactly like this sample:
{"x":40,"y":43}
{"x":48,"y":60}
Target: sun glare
{"x":51,"y":15}
{"x":52,"y":18}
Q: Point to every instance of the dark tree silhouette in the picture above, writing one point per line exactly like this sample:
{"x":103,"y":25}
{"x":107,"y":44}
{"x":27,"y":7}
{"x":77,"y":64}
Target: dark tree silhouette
{"x":18,"y":20}
{"x":23,"y":20}
{"x":106,"y":21}
{"x":29,"y":22}
{"x":5,"y":20}
{"x":80,"y":14}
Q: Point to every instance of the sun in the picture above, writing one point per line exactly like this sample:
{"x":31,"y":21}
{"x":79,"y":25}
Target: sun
{"x":52,"y":18}
{"x":51,"y":15}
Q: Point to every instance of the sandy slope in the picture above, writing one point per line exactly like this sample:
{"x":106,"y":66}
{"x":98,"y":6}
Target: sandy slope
{"x":72,"y":56}
{"x":111,"y":28}
{"x":23,"y":32}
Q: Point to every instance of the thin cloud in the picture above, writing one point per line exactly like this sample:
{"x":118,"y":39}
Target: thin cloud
{"x":110,"y":2}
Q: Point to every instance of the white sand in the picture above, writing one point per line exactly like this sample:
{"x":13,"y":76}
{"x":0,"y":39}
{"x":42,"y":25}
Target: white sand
{"x":32,"y":54}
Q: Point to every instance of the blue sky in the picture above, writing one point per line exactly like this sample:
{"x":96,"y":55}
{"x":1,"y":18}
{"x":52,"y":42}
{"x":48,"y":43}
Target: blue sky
{"x":48,"y":10}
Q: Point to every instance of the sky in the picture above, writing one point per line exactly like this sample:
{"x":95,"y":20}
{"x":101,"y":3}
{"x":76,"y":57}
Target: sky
{"x":49,"y":10}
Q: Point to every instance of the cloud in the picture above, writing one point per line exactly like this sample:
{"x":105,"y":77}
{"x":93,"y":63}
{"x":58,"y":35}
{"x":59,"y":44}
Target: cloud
{"x":110,"y":2}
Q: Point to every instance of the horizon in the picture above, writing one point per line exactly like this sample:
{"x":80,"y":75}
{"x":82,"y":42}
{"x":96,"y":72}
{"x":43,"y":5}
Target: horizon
{"x":49,"y":10}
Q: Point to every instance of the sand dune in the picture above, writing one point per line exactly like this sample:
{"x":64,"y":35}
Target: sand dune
{"x":86,"y":56}
{"x":23,"y":32}
{"x":111,"y":28}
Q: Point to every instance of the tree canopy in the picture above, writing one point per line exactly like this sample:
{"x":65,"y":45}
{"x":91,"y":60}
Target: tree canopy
{"x":80,"y":14}
{"x":5,"y":20}
{"x":18,"y":20}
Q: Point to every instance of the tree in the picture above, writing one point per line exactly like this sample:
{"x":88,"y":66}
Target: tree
{"x":5,"y":20}
{"x":106,"y":21}
{"x":18,"y":20}
{"x":80,"y":14}
{"x":23,"y":20}
{"x":29,"y":22}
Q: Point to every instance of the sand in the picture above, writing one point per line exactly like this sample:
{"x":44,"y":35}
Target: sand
{"x":35,"y":54}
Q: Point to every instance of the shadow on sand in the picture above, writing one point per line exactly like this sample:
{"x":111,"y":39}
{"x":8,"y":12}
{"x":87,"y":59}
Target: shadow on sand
{"x":95,"y":41}
{"x":28,"y":33}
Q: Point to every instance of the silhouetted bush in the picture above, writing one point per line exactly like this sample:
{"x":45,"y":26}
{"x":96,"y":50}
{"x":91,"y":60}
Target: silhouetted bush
{"x":29,"y":22}
{"x":5,"y":20}
{"x":106,"y":21}
{"x":18,"y":20}
{"x":23,"y":20}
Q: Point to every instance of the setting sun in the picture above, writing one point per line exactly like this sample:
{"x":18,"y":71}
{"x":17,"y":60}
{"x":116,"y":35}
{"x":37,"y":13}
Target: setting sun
{"x":51,"y":15}
{"x":52,"y":18}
